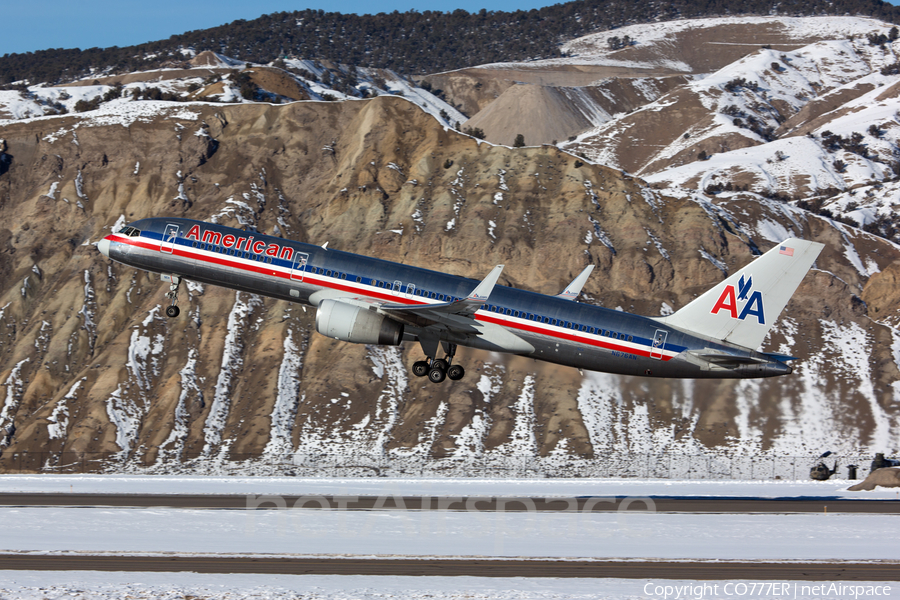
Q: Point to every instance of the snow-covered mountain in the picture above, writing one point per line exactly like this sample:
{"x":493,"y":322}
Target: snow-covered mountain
{"x":211,"y":77}
{"x":88,"y":364}
{"x":796,"y":108}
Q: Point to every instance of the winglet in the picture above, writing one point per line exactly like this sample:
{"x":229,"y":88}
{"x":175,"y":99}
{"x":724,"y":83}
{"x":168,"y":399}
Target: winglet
{"x":482,"y":291}
{"x":573,"y":289}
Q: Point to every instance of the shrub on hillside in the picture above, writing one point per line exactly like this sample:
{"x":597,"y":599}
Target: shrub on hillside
{"x":740,"y":83}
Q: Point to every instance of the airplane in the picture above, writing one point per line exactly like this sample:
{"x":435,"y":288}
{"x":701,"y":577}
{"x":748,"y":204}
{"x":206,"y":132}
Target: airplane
{"x":372,"y":301}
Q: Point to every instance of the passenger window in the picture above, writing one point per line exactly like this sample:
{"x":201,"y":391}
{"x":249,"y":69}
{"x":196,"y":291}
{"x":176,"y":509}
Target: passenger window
{"x":343,"y":276}
{"x":553,"y":321}
{"x":328,"y":273}
{"x":433,"y":295}
{"x":359,"y":280}
{"x":195,"y":244}
{"x":630,"y":338}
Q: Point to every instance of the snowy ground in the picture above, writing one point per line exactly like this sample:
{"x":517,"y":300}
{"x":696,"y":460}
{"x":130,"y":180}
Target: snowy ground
{"x":538,"y":488}
{"x":626,"y":535}
{"x":24,"y":585}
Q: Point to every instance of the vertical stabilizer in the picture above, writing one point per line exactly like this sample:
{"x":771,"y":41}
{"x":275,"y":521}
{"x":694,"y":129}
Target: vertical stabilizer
{"x":742,"y":309}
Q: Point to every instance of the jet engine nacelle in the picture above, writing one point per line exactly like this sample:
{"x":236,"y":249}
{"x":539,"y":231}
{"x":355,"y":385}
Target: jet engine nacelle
{"x":351,"y":323}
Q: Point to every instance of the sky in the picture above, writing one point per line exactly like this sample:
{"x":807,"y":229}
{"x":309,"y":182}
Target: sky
{"x":26,"y":27}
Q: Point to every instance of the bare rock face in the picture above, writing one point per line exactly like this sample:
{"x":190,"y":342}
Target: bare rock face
{"x":888,"y":477}
{"x":564,"y":112}
{"x":882,"y":294}
{"x":89,"y":363}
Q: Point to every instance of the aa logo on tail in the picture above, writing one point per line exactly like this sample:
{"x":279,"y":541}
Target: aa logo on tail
{"x":742,"y":302}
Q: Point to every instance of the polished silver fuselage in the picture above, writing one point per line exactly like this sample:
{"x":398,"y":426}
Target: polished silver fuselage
{"x":553,"y":329}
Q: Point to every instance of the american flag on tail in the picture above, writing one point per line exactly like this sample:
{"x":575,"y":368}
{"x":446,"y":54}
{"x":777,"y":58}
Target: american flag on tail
{"x":785,"y":250}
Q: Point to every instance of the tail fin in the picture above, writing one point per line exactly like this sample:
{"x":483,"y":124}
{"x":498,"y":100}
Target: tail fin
{"x":742,"y":309}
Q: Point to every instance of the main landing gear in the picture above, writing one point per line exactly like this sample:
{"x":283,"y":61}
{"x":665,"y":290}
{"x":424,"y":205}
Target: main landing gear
{"x":439,"y":368}
{"x":172,"y":310}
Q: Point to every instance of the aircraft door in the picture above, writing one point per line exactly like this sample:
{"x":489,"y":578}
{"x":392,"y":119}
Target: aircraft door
{"x":299,"y":266}
{"x":410,"y":290}
{"x":659,"y":342}
{"x":168,"y":240}
{"x":395,"y":290}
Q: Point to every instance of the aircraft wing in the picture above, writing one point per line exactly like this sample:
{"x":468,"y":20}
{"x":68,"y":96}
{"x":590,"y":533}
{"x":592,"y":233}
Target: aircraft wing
{"x":458,"y":315}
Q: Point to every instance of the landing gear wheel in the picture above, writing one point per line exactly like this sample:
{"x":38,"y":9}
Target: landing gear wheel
{"x":436,"y":375}
{"x":172,"y":310}
{"x":420,"y":368}
{"x":456,"y":372}
{"x":440,"y":363}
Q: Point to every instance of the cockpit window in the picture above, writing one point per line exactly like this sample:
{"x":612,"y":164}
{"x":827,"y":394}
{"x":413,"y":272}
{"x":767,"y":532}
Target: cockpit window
{"x":129,"y":231}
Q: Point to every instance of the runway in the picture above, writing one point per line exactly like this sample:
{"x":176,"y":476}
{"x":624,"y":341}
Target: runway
{"x":380,"y":557}
{"x":694,"y":570}
{"x":471,"y":504}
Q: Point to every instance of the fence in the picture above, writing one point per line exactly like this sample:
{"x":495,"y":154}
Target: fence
{"x":627,"y":465}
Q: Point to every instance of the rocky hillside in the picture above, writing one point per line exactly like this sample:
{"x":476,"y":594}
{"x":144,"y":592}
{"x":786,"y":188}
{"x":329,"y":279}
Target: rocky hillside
{"x":801,"y":109}
{"x":211,"y":77}
{"x":88,"y":362}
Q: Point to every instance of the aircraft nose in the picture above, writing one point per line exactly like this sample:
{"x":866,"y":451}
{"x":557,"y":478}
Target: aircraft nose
{"x":103,"y":247}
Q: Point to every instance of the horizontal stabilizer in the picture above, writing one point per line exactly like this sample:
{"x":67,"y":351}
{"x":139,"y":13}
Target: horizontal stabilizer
{"x":724,"y":358}
{"x":778,"y":357}
{"x":742,"y":309}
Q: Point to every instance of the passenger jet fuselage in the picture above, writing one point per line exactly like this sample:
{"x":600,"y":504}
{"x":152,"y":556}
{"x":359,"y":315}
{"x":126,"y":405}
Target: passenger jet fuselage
{"x":370,"y":301}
